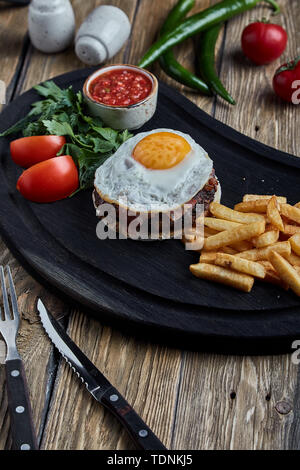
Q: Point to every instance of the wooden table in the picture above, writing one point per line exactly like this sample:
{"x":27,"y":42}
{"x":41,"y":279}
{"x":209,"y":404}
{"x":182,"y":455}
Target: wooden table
{"x":191,"y":400}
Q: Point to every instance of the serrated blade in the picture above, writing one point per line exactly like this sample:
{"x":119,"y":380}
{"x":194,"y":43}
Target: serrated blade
{"x":84,"y":368}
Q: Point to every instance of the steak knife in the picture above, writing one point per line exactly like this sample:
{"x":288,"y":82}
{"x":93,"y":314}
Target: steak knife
{"x":97,"y":384}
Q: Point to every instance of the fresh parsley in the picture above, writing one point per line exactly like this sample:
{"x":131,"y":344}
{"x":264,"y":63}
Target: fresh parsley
{"x":62,"y":112}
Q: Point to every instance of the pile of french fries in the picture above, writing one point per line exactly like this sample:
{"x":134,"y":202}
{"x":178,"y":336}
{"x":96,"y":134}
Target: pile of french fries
{"x":258,"y":239}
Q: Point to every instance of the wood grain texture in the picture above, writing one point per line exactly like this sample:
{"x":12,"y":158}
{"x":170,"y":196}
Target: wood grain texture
{"x":146,"y":374}
{"x":40,"y":66}
{"x":191,"y":400}
{"x":249,"y":419}
{"x":150,"y":18}
{"x":13,"y":31}
{"x":33,"y":346}
{"x":258,"y":113}
{"x":230,"y":402}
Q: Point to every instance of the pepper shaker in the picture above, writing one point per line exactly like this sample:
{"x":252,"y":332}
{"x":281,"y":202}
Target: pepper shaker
{"x":102,"y":35}
{"x":51,"y":24}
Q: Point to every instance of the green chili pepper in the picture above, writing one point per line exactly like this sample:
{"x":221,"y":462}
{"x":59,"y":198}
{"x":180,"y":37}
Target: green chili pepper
{"x":168,"y":61}
{"x":207,"y":62}
{"x":197,"y":23}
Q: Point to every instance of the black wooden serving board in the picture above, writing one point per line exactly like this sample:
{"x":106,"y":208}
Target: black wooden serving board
{"x":148,"y":286}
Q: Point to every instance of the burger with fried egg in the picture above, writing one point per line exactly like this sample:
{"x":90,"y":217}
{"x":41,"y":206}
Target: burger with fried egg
{"x":156,"y":172}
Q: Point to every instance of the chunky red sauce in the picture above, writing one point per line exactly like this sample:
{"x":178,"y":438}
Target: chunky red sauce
{"x":120,"y":87}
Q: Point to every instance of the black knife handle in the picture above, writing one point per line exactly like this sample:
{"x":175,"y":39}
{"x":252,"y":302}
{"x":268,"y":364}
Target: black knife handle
{"x":18,"y":2}
{"x":23,"y":435}
{"x":141,"y":434}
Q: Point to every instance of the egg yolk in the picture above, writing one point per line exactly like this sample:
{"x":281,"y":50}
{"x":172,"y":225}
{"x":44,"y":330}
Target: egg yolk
{"x":161,"y":151}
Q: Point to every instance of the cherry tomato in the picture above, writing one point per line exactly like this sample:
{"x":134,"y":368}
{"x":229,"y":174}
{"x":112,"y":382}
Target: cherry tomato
{"x":31,"y":150}
{"x":286,"y":81}
{"x":50,"y":180}
{"x":263,"y":42}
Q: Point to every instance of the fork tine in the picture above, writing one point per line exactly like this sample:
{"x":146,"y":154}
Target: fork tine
{"x":4,"y":294}
{"x":13,"y":296}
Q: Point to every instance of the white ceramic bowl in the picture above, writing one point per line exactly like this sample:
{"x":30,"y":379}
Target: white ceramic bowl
{"x":122,"y":117}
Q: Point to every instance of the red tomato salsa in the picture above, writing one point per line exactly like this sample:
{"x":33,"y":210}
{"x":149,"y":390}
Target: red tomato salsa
{"x":120,"y":87}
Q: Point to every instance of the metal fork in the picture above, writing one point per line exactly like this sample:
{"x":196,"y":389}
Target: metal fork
{"x":22,"y":429}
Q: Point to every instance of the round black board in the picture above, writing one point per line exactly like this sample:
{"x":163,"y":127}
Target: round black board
{"x":147,"y":286}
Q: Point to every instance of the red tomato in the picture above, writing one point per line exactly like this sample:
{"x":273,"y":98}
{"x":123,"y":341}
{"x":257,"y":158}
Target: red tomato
{"x":263,"y":42}
{"x":286,"y":81}
{"x":50,"y":180}
{"x":31,"y":150}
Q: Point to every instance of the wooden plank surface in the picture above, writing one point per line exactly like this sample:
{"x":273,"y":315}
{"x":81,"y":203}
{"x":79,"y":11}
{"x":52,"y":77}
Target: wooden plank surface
{"x":228,"y":402}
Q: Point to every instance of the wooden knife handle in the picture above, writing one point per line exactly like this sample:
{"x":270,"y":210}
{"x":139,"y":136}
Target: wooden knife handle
{"x":140,"y":433}
{"x":22,"y":428}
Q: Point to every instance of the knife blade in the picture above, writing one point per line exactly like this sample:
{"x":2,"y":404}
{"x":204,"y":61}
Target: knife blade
{"x":97,"y":384}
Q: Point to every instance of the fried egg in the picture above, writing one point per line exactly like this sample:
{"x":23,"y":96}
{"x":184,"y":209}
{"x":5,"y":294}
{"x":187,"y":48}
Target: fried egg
{"x":157,"y":170}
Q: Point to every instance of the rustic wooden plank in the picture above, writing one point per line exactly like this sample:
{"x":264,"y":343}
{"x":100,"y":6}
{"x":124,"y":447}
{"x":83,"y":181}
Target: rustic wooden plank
{"x":11,"y":61}
{"x":230,"y":402}
{"x":13,"y":30}
{"x":151,"y":16}
{"x":33,"y":68}
{"x":34,"y":347}
{"x":258,"y":112}
{"x":235,"y":403}
{"x":146,"y":374}
{"x":40,"y":66}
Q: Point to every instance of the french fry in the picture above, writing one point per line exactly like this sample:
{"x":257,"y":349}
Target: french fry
{"x":208,"y":232}
{"x":242,"y":246}
{"x":261,"y":254}
{"x":265,"y":239}
{"x":229,"y":250}
{"x":223,"y":212}
{"x":254,"y":197}
{"x":260,"y":238}
{"x":224,"y":276}
{"x":208,"y":257}
{"x":267,"y":265}
{"x":292,"y":212}
{"x":257,"y":205}
{"x":239,"y":264}
{"x":293,"y":259}
{"x":295,"y":243}
{"x":238,"y":234}
{"x":273,"y":214}
{"x":285,"y":271}
{"x":290,"y":230}
{"x":271,"y":276}
{"x":219,"y":224}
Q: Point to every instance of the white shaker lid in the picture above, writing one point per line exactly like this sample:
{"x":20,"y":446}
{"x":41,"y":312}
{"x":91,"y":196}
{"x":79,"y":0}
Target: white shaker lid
{"x":90,"y":50}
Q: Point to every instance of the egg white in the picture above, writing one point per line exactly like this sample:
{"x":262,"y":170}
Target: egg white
{"x":124,"y":181}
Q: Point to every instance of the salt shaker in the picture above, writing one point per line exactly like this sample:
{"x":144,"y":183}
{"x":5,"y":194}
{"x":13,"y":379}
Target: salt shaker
{"x":102,"y":35}
{"x":51,"y":24}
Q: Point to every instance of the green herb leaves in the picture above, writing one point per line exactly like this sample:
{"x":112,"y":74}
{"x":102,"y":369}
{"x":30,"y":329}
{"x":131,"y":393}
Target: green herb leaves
{"x":62,"y":113}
